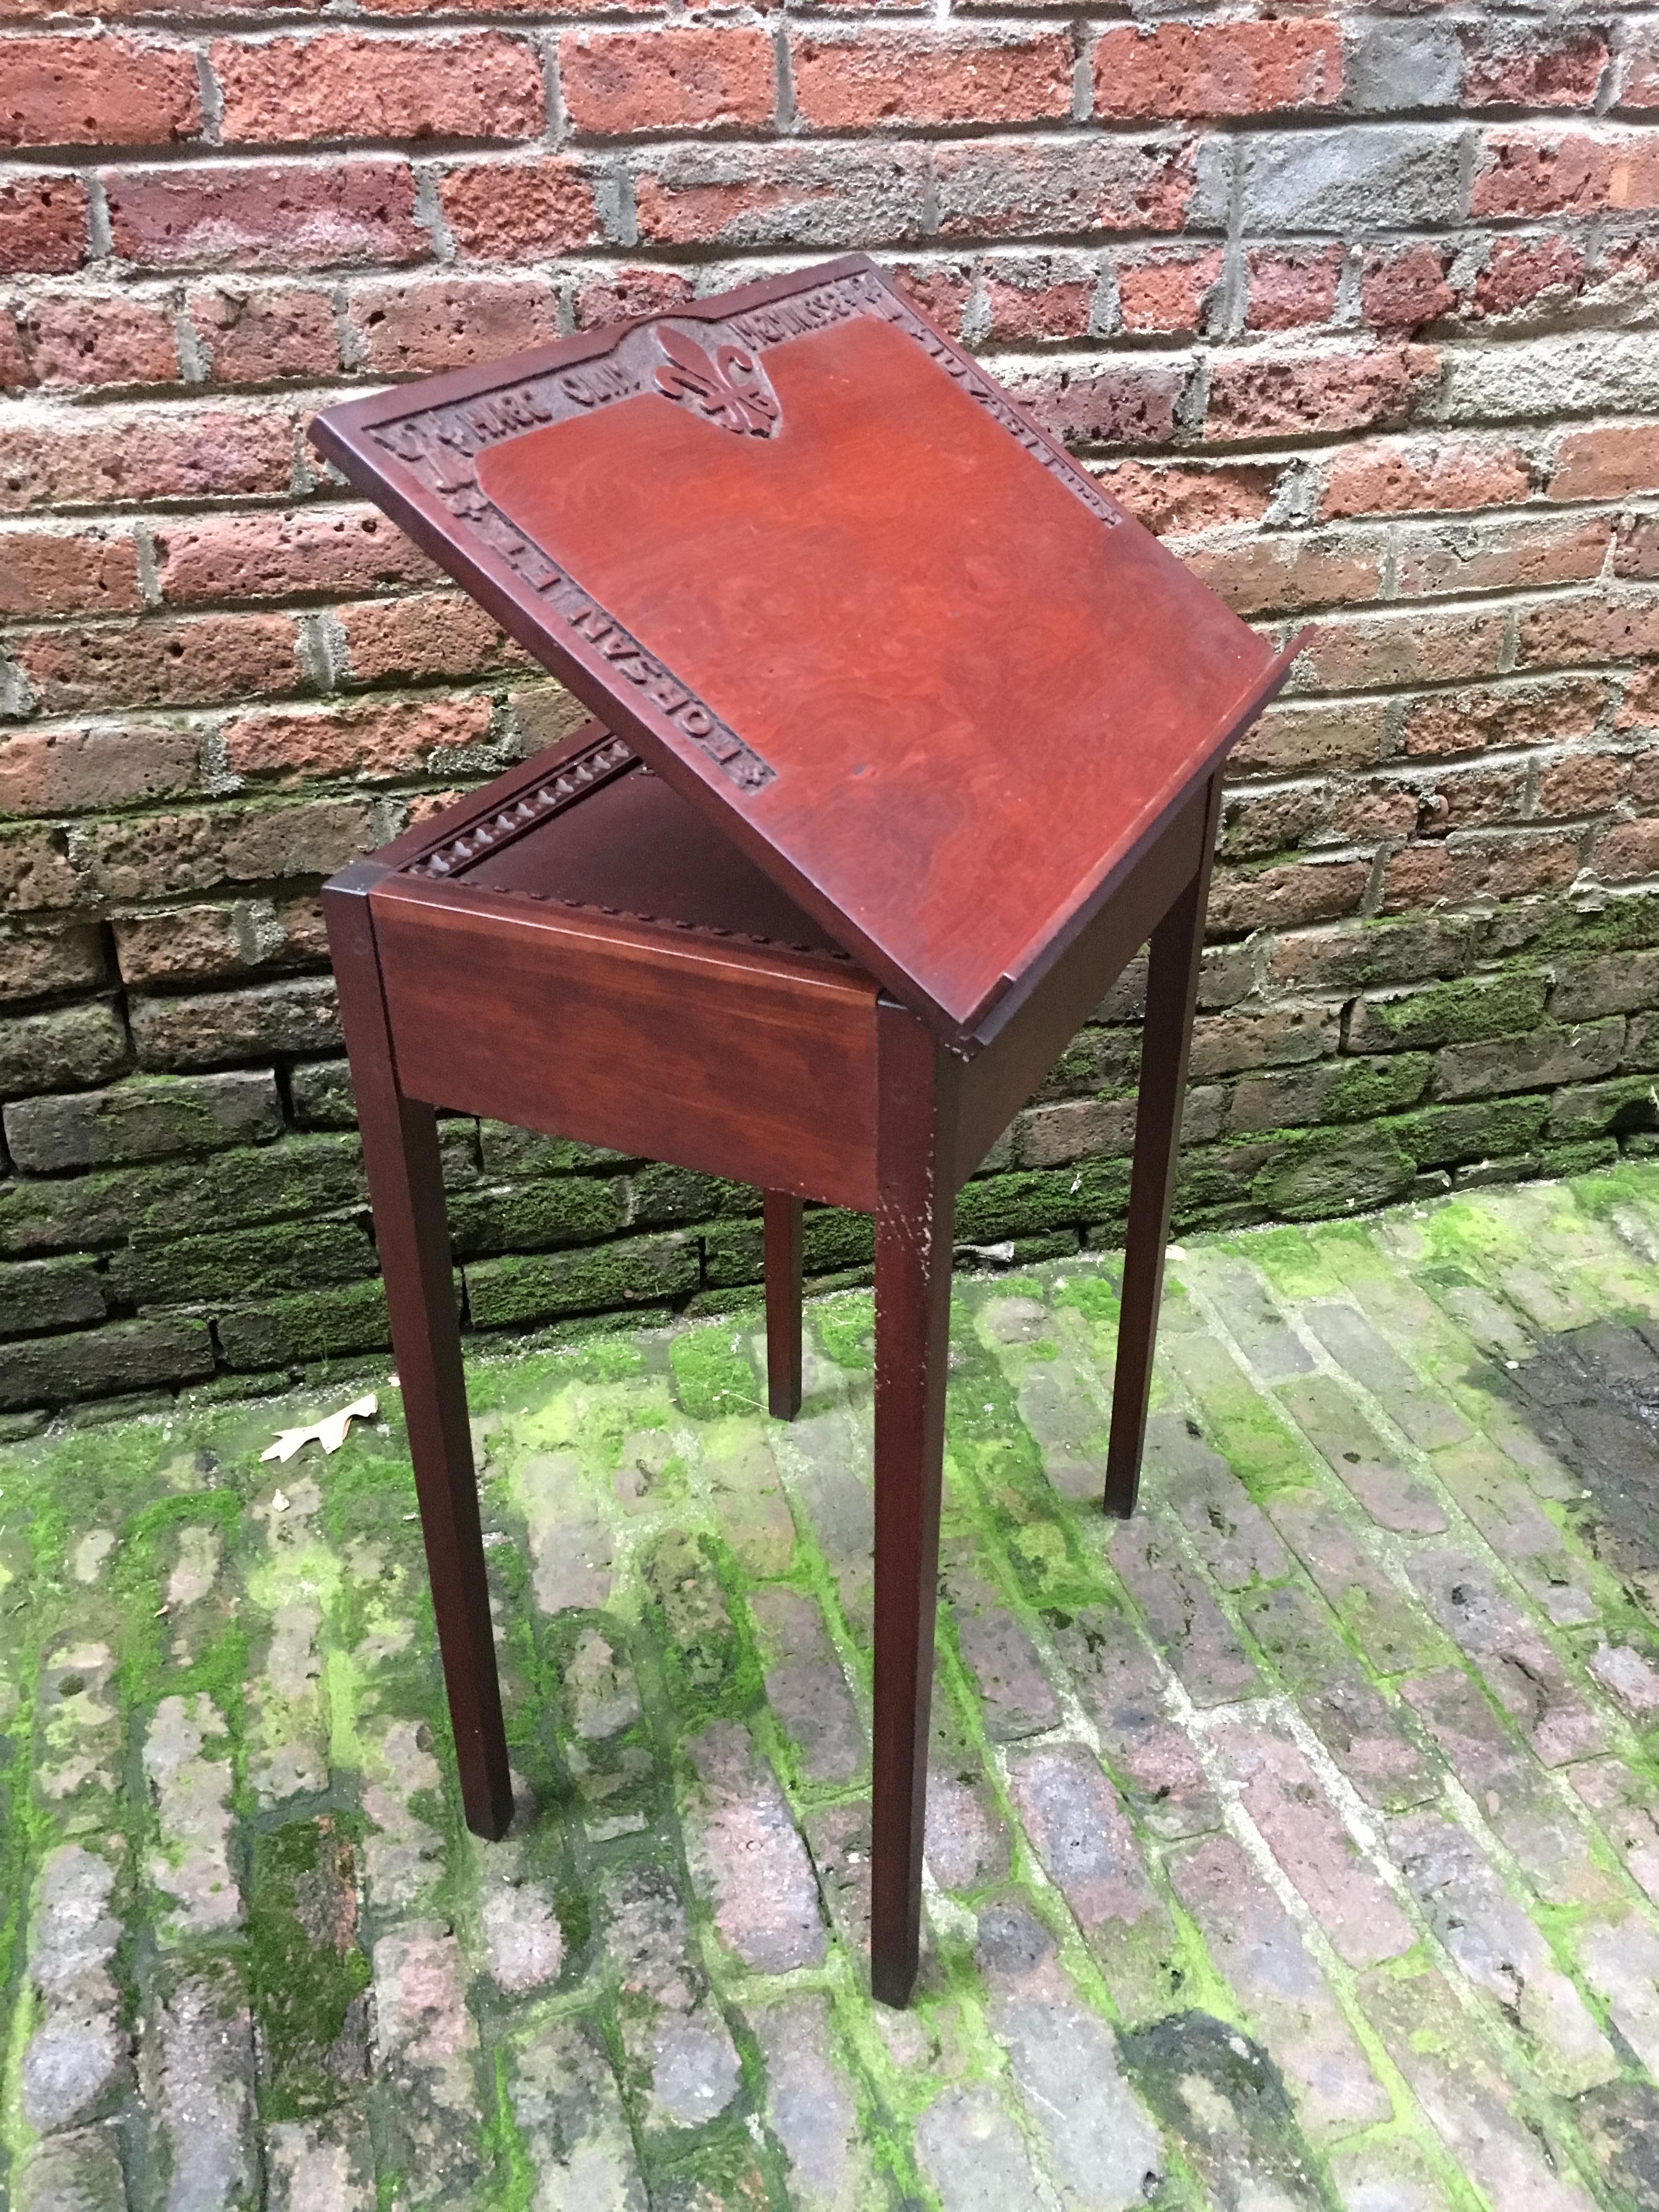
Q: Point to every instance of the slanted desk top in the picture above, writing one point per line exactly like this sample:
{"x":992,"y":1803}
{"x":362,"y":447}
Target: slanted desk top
{"x":828,"y":580}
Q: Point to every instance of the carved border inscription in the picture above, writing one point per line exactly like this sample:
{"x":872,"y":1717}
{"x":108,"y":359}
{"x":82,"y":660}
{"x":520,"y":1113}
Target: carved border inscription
{"x":440,"y":446}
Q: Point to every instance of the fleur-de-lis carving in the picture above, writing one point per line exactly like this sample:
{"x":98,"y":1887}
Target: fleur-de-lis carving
{"x":729,"y":386}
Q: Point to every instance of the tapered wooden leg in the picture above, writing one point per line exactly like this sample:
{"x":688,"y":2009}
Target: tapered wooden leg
{"x":915,"y":1201}
{"x":1171,"y":995}
{"x":781,"y":1215}
{"x":405,"y":1185}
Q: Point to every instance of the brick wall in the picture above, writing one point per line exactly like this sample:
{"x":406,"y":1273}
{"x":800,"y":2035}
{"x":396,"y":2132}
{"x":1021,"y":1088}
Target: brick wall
{"x":1356,"y":306}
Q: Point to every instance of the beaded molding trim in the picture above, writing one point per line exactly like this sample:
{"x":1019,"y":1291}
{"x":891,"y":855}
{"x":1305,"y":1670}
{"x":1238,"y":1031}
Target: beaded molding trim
{"x":576,"y":777}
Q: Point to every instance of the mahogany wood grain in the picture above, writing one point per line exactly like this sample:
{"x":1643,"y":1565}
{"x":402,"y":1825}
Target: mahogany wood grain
{"x":781,"y":1233}
{"x":959,"y":681}
{"x":1177,"y":950}
{"x":915,"y":1203}
{"x":405,"y":1184}
{"x":738,"y":1061}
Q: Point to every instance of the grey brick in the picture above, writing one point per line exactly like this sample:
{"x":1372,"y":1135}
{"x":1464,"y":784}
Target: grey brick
{"x":146,"y":1118}
{"x":53,"y":1370}
{"x":1549,"y":1056}
{"x":1610,"y":372}
{"x":1351,"y":181}
{"x":1389,"y":67}
{"x":1617,"y":983}
{"x":63,"y":1049}
{"x":206,"y":1027}
{"x":42,"y":1294}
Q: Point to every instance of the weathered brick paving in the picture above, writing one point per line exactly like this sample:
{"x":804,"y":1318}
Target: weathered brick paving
{"x":1296,"y":1845}
{"x":1352,"y":302}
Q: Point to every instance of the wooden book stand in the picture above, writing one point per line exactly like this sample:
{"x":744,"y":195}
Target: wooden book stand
{"x":906,"y":740}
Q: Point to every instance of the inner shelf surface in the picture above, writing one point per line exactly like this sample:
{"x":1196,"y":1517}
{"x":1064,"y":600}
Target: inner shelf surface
{"x":636,"y":847}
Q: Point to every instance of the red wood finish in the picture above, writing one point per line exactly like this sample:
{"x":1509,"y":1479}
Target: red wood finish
{"x":1165,"y":1039}
{"x":916,"y":1143}
{"x":910,"y":658}
{"x":740,"y":1061}
{"x":781,"y":1219}
{"x":405,"y":1183}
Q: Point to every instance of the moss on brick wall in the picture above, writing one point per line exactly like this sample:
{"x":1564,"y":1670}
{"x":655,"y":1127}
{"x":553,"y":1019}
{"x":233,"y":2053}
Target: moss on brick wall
{"x":256,"y":1258}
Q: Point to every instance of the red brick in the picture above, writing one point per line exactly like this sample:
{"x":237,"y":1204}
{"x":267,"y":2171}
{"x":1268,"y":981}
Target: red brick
{"x":193,"y":944}
{"x":624,"y":292}
{"x":1284,"y":897}
{"x":1639,"y":710}
{"x":1274,"y":574}
{"x":1419,"y":647}
{"x":126,"y":455}
{"x":444,"y":322}
{"x":102,"y":90}
{"x":266,"y":214}
{"x":1218,"y":68}
{"x":333,"y":549}
{"x":1402,"y":288}
{"x":160,"y":663}
{"x":1533,"y":67}
{"x":519,"y":210}
{"x":340,"y":85}
{"x":431,"y":634}
{"x":1606,"y":462}
{"x":1120,"y":402}
{"x":43,"y":225}
{"x":371,"y":738}
{"x":1257,"y":825}
{"x":1636,"y":548}
{"x":1500,"y":556}
{"x":1373,"y":814}
{"x":939,"y":290}
{"x":1473,"y":798}
{"x":1044,"y":296}
{"x":71,"y":572}
{"x":1604,"y":626}
{"x":1517,"y":866}
{"x":1581,"y":783}
{"x":255,"y":337}
{"x":1519,"y":270}
{"x":1387,"y":478}
{"x":1167,"y":291}
{"x":100,"y":338}
{"x":614,"y":82}
{"x":1532,"y":172}
{"x":1628,"y":852}
{"x":161,"y":856}
{"x":1175,"y":501}
{"x":1255,"y":395}
{"x":35,"y":874}
{"x":39,"y":964}
{"x":1623,"y":271}
{"x":1641,"y":85}
{"x":854,"y":80}
{"x":16,"y":369}
{"x":1290,"y":289}
{"x":1504,"y":715}
{"x":82,"y":771}
{"x":1296,"y":736}
{"x":995,"y":188}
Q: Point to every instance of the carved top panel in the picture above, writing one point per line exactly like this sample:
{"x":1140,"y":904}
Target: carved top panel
{"x":807,"y":559}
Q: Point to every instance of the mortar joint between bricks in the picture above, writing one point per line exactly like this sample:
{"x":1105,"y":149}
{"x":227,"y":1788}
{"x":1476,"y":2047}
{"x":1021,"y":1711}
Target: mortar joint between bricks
{"x":788,"y":117}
